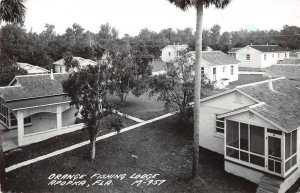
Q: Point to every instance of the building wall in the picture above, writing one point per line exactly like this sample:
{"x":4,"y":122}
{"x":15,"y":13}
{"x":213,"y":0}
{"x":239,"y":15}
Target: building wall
{"x":168,"y":54}
{"x":257,"y":59}
{"x":208,"y":138}
{"x":57,"y":69}
{"x":244,"y":172}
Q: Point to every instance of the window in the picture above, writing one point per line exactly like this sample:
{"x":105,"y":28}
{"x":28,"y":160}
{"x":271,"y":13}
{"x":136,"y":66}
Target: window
{"x":231,"y":70}
{"x":278,"y":55}
{"x":224,"y":68}
{"x":202,"y":70}
{"x":290,"y":150}
{"x":214,"y":74}
{"x":265,"y":56}
{"x":169,"y":53}
{"x":285,"y":55}
{"x":220,"y":125}
{"x":247,"y":56}
{"x":272,"y":55}
{"x":232,"y":133}
{"x":60,"y":69}
{"x":245,"y":142}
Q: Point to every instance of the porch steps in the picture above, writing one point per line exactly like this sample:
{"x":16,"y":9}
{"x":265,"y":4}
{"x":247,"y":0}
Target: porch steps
{"x":269,"y":184}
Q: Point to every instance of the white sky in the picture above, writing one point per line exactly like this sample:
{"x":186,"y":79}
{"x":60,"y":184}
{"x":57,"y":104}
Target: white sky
{"x":130,"y":16}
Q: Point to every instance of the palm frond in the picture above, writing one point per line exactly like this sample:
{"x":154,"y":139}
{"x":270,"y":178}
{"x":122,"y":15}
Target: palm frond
{"x":12,"y":11}
{"x":185,"y":4}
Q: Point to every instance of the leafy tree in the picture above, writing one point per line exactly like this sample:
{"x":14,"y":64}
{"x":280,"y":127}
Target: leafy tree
{"x":70,"y":62}
{"x":9,"y":69}
{"x":176,"y":88}
{"x":127,"y":73}
{"x":88,"y":89}
{"x":199,"y":4}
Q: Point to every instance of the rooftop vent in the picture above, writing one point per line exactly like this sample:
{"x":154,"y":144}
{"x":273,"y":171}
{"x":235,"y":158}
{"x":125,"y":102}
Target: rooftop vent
{"x":270,"y":84}
{"x":51,"y":75}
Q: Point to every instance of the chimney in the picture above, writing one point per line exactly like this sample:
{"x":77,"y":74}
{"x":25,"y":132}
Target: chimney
{"x":270,"y":84}
{"x":51,"y":75}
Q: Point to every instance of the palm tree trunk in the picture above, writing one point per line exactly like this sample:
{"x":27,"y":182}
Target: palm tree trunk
{"x":2,"y":165}
{"x":197,"y":91}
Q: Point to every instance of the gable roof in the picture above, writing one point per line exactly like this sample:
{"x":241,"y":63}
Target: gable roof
{"x":280,"y":107}
{"x":233,"y":50}
{"x":33,"y":86}
{"x":82,"y":62}
{"x":269,"y":48}
{"x":214,"y":58}
{"x":31,"y":69}
{"x":291,"y":71}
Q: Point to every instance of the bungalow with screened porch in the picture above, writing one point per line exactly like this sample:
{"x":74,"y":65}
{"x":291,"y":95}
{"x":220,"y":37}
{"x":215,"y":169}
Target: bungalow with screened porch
{"x":256,"y":128}
{"x":34,"y":108}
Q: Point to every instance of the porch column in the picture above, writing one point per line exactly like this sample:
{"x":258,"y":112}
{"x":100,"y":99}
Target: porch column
{"x":20,"y":119}
{"x":58,"y":118}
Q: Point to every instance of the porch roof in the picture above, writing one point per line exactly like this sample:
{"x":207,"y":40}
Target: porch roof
{"x":280,"y":106}
{"x":37,"y":102}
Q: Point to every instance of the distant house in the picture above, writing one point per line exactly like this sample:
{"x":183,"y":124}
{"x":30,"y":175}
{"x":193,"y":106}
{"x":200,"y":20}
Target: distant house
{"x":219,"y":67}
{"x":59,"y":66}
{"x":34,"y":108}
{"x":261,"y":56}
{"x":170,"y":52}
{"x":256,"y":128}
{"x":31,"y":69}
{"x":232,"y":52}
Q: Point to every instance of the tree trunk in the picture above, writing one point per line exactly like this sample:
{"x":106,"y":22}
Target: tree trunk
{"x":2,"y":165}
{"x":93,"y":149}
{"x":197,"y":91}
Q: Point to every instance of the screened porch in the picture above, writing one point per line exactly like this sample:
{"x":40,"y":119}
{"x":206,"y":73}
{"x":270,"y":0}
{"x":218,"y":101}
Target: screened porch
{"x":261,"y":148}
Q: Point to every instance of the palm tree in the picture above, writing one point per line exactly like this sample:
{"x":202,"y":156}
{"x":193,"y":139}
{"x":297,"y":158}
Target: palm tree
{"x":12,"y":11}
{"x":199,"y":5}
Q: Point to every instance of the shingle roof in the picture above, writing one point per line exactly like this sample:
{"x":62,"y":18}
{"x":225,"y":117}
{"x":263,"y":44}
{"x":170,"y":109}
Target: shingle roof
{"x":33,"y":86}
{"x":217,"y":58}
{"x":291,"y":71}
{"x":269,"y":48}
{"x":233,"y":50}
{"x":37,"y":102}
{"x":282,"y":106}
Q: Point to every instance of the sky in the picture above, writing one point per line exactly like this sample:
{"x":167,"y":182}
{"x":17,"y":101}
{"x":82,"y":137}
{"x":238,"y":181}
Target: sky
{"x":130,"y":16}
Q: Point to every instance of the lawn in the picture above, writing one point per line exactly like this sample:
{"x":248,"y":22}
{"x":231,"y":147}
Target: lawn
{"x":142,"y":107}
{"x":163,"y":148}
{"x":53,"y":144}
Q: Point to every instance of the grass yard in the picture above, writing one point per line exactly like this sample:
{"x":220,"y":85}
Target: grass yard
{"x":163,"y":148}
{"x":41,"y":148}
{"x":141,"y":107}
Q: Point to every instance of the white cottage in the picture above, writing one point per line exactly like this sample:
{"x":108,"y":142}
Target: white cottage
{"x":261,"y":56}
{"x":219,"y":67}
{"x":34,"y":108}
{"x":59,"y":66}
{"x":170,"y":52}
{"x":256,"y":128}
